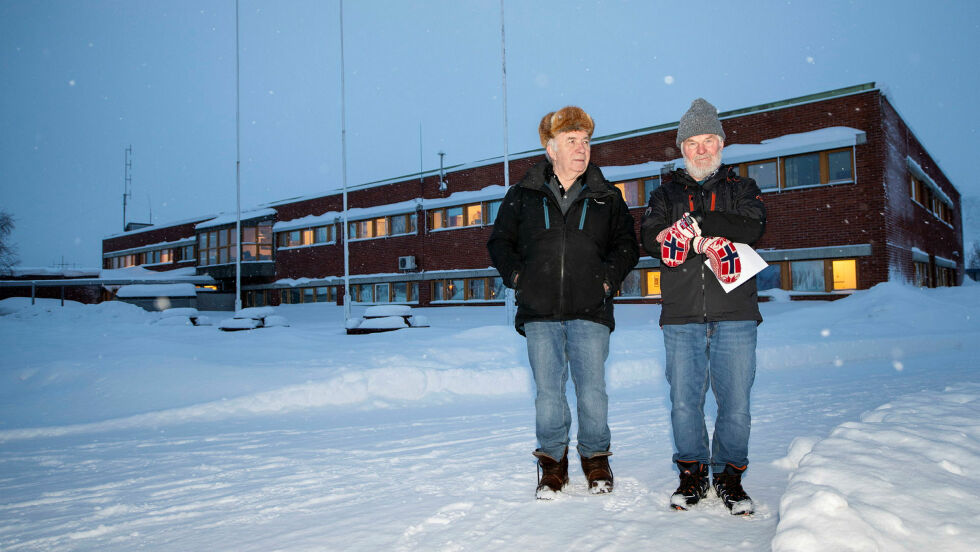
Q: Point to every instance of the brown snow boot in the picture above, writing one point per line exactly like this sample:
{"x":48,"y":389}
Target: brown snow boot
{"x":552,"y":475}
{"x":598,"y":473}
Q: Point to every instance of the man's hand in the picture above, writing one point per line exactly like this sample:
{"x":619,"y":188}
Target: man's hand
{"x":685,"y":227}
{"x":722,"y":257}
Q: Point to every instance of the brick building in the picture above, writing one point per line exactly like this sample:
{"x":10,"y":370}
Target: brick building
{"x":853,"y":200}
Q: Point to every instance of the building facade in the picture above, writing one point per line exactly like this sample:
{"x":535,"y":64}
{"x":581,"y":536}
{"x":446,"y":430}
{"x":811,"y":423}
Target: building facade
{"x":853,"y":200}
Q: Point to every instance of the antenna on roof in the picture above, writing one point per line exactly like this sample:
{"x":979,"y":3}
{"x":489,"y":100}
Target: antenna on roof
{"x":127,"y":182}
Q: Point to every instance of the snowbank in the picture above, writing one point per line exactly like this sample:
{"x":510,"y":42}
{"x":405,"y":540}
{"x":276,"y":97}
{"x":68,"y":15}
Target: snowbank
{"x":903,"y":478}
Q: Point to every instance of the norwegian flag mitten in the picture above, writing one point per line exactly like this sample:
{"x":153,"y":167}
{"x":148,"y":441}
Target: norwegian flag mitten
{"x":722,"y":257}
{"x":673,"y":248}
{"x":675,"y":240}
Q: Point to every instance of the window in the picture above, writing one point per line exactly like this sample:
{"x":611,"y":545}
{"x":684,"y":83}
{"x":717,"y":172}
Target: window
{"x":763,"y":172}
{"x":825,"y":167}
{"x":770,"y":277}
{"x":845,"y":274}
{"x":632,"y":192}
{"x":918,"y":191}
{"x":807,"y":275}
{"x":476,"y":288}
{"x":632,"y":285}
{"x":496,"y":288}
{"x":468,"y":289}
{"x":649,"y":185}
{"x":839,"y":166}
{"x":920,"y":276}
{"x":474,"y":214}
{"x":382,"y":226}
{"x":257,"y":242}
{"x":653,"y":282}
{"x":802,"y":170}
{"x":385,"y":292}
{"x":492,"y":208}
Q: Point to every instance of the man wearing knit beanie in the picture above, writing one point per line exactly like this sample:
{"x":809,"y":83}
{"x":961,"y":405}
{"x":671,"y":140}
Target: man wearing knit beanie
{"x":564,"y":240}
{"x":709,"y":333}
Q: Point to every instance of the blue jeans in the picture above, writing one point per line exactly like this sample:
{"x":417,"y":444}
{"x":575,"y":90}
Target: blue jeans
{"x":554,"y":349}
{"x":722,"y":355}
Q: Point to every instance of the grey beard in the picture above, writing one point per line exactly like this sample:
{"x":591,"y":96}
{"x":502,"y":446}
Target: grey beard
{"x":701,"y":174}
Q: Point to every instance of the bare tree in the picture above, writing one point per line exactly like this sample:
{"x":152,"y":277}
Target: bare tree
{"x":8,"y":252}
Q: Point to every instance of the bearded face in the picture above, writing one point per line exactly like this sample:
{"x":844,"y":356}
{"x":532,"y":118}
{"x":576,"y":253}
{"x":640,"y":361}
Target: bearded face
{"x":702,"y":155}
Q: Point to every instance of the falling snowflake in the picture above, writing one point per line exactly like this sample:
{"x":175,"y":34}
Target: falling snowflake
{"x":669,"y":79}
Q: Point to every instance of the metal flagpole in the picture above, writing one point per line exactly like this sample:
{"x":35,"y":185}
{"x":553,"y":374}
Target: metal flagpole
{"x":238,"y":178}
{"x":510,"y":308}
{"x":343,"y":148}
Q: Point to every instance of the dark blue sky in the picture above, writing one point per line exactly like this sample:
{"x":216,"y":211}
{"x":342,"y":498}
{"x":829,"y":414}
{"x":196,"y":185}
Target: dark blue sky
{"x":80,"y":80}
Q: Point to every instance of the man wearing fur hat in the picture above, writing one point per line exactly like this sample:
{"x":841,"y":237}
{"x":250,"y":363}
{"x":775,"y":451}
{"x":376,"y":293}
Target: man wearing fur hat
{"x":709,"y":335}
{"x":564,"y":240}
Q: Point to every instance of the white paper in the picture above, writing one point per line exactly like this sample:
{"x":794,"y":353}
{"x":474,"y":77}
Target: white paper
{"x":752,"y":264}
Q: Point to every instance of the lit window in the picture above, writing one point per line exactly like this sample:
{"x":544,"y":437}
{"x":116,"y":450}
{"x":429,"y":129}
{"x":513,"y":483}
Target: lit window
{"x":438,"y":219}
{"x":474,"y":215}
{"x":380,"y":227}
{"x":631,"y":192}
{"x":845,"y":274}
{"x":653,"y":282}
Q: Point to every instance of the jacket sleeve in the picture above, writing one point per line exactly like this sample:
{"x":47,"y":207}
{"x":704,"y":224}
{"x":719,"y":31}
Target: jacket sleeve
{"x":654,"y":220}
{"x":623,"y":251}
{"x":503,"y":243}
{"x":746,"y":223}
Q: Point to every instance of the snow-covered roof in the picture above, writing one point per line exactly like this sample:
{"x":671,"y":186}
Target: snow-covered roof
{"x":781,"y":146}
{"x":21,"y":271}
{"x":921,"y":175}
{"x":461,"y":198}
{"x":230,"y":218}
{"x":308,"y":221}
{"x":157,"y":290}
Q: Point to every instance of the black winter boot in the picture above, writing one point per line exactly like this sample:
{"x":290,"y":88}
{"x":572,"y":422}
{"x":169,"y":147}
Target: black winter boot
{"x":693,"y":486}
{"x":598,"y":473}
{"x":552,"y":475}
{"x":728,"y":485}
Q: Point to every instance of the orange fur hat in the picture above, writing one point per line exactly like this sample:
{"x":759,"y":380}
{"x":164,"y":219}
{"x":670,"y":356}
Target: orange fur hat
{"x":565,"y":119}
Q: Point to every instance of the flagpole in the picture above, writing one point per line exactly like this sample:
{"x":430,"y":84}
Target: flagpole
{"x":238,"y":178}
{"x":343,"y":149}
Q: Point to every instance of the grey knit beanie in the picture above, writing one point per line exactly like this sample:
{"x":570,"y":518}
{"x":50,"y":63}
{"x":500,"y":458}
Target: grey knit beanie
{"x":702,"y":118}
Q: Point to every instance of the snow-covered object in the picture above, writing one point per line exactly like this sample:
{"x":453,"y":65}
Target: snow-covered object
{"x":418,"y":321}
{"x":180,"y":311}
{"x":175,"y":320}
{"x":156,"y":290}
{"x":274,"y":320}
{"x":387,"y":310}
{"x":255,"y":312}
{"x":232,"y":324}
{"x":383,"y":323}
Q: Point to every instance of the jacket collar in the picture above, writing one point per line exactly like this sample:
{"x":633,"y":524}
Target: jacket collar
{"x":592,"y":180}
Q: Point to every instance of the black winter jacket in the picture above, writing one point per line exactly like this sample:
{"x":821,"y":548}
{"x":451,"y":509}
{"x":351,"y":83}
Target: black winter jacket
{"x":729,"y":206}
{"x":560,"y":262}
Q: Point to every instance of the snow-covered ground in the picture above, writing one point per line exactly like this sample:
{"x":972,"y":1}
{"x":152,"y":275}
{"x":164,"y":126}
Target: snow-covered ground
{"x":119,"y":431}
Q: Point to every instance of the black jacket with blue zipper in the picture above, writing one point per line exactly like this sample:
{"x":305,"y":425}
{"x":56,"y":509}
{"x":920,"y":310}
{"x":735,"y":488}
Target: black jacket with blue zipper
{"x":728,"y":206}
{"x":561,"y":261}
